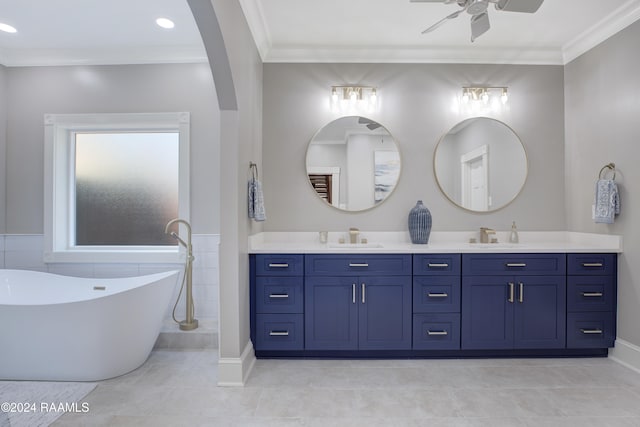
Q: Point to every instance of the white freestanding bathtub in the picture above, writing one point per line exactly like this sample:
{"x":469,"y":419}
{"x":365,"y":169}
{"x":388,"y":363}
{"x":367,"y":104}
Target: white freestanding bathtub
{"x":75,"y":329}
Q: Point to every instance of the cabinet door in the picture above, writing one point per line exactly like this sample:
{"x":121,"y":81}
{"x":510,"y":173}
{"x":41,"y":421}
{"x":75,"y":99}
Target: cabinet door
{"x":384,"y":312}
{"x":540,"y":312}
{"x":487,"y":313}
{"x":331,"y":313}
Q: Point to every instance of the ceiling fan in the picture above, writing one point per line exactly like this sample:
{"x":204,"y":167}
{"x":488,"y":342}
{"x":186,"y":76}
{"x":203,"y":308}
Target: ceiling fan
{"x":371,"y":125}
{"x":478,"y":11}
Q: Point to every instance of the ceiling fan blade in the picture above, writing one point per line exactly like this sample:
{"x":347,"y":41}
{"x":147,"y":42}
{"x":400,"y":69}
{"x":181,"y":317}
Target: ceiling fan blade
{"x":443,"y":20}
{"x":373,"y":126}
{"x":479,"y":25}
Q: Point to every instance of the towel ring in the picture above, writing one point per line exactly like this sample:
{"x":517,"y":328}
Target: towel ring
{"x":611,"y":167}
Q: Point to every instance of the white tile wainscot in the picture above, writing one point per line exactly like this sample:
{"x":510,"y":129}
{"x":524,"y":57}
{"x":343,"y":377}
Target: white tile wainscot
{"x":25,"y":252}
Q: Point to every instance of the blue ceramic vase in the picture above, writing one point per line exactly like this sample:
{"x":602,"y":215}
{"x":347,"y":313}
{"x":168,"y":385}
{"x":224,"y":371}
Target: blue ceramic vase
{"x":419,"y":223}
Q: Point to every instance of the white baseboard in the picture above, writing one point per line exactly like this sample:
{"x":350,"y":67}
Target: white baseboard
{"x":626,"y":354}
{"x":234,"y":371}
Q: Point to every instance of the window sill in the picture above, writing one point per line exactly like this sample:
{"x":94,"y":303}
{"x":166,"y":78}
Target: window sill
{"x":116,"y":255}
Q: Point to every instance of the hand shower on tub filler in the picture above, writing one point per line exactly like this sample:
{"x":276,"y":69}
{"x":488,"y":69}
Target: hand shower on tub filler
{"x":190,"y":322}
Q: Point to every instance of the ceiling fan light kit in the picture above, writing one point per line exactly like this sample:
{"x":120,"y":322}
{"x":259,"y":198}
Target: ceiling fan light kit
{"x":478,"y":11}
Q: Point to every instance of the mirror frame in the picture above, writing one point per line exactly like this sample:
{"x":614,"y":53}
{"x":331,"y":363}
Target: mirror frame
{"x":515,"y":196}
{"x":347,"y":211}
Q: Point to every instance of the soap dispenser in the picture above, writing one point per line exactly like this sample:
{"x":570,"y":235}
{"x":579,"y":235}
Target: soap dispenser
{"x":513,"y":237}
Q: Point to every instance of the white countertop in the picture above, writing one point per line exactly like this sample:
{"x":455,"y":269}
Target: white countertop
{"x":439,"y":242}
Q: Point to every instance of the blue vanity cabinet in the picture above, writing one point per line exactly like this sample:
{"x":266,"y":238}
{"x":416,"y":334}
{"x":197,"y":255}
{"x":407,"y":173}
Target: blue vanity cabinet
{"x":364,"y":305}
{"x":513,"y":301}
{"x":591,"y":300}
{"x":436,"y":301}
{"x":277,"y":294}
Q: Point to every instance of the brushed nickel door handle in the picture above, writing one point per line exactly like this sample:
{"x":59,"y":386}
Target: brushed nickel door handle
{"x":521,"y":296}
{"x":511,"y":292}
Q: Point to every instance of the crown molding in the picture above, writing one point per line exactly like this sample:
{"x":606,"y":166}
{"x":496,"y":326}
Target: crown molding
{"x":254,"y":14}
{"x":61,"y":57}
{"x":611,"y":24}
{"x":442,"y":55}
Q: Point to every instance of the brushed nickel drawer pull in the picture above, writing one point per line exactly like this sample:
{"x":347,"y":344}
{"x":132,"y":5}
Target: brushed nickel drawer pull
{"x":355,"y":264}
{"x":516,"y":264}
{"x":436,"y":265}
{"x":591,"y":331}
{"x":592,"y":294}
{"x":283,"y":265}
{"x":279,"y":333}
{"x":437,"y":333}
{"x":592,"y":264}
{"x":278,"y":295}
{"x":438,"y":295}
{"x":511,"y":291}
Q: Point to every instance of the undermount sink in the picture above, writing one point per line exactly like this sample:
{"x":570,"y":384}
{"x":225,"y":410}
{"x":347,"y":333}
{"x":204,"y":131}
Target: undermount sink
{"x":354,"y":245}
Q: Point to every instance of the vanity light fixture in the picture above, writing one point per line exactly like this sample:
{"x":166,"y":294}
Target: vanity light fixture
{"x":482,"y":99}
{"x":483,"y":94}
{"x":354,"y":98}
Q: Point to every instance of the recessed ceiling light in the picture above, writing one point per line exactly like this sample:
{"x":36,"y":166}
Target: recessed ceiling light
{"x":7,"y":28}
{"x":165,"y":23}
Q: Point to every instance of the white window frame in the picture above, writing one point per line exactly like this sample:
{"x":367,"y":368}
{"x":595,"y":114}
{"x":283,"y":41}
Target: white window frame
{"x":59,"y":185}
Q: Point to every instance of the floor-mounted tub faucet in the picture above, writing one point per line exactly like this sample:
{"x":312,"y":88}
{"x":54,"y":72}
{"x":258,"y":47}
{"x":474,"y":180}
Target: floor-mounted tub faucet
{"x":190,"y":322}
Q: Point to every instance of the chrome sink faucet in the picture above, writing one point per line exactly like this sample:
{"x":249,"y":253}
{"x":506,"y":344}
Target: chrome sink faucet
{"x":353,"y":235}
{"x":484,"y":234}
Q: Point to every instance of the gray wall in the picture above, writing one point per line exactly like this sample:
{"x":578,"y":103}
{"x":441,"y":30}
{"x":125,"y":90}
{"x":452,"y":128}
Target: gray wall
{"x":3,"y":146}
{"x":33,"y":91}
{"x":602,"y":95}
{"x":416,"y":102}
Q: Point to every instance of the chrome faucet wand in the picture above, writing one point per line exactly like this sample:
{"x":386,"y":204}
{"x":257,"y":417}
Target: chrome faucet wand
{"x":190,"y":322}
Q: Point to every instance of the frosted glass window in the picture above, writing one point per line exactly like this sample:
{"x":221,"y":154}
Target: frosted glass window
{"x":126,"y":187}
{"x":112,"y":183}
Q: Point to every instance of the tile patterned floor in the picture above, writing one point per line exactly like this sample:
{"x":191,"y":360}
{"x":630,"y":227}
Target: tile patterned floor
{"x":178,"y":388}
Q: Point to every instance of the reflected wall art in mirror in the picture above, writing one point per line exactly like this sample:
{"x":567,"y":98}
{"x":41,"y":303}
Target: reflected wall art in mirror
{"x":353,"y":163}
{"x":480,"y":164}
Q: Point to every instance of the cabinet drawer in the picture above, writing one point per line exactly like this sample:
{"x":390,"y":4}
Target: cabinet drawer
{"x":357,"y":265}
{"x":521,"y":264}
{"x":591,"y":264}
{"x":591,"y":330}
{"x":436,"y":265}
{"x":436,"y":331}
{"x":590,"y":293}
{"x":439,"y":294}
{"x":279,"y":294}
{"x":279,"y":265}
{"x":279,"y":332}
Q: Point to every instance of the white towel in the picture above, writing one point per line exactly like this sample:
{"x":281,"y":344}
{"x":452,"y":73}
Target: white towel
{"x":256,"y":200}
{"x":607,"y":201}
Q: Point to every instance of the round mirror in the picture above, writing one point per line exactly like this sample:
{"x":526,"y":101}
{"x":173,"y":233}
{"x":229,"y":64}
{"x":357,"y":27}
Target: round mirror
{"x":480,"y":164}
{"x":353,"y":163}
